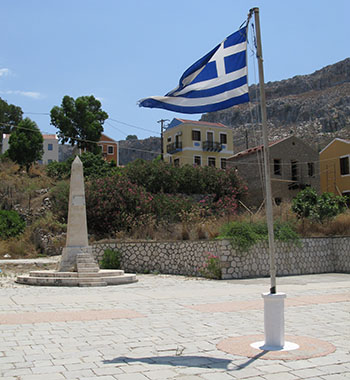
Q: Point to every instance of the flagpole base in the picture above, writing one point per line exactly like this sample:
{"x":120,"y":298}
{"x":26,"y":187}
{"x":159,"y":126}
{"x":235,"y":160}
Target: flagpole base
{"x":274,"y":320}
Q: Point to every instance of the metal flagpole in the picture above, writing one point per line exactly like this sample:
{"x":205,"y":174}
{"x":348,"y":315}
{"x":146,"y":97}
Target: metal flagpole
{"x":273,"y":301}
{"x":269,"y":212}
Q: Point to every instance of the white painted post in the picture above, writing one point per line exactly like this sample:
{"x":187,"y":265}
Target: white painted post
{"x":274,"y":320}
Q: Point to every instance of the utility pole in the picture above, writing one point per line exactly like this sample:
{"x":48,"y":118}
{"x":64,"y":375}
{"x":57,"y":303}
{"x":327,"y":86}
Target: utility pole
{"x":162,"y":121}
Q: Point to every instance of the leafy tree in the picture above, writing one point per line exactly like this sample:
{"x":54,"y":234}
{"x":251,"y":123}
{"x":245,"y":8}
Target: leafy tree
{"x":79,"y":121}
{"x":131,"y":137}
{"x":307,"y":204}
{"x":26,"y":144}
{"x":10,"y":116}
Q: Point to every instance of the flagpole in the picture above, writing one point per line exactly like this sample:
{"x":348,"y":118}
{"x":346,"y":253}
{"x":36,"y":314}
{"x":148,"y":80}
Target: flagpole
{"x":269,"y":211}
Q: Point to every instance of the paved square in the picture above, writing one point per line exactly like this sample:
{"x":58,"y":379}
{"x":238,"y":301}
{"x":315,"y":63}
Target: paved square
{"x":168,"y":327}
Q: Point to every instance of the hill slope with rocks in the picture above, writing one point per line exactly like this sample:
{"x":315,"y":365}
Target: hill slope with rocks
{"x":314,"y":107}
{"x":130,"y":150}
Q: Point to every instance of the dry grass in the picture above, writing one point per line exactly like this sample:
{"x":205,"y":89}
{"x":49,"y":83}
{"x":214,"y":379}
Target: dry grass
{"x":18,"y":247}
{"x":339,"y":226}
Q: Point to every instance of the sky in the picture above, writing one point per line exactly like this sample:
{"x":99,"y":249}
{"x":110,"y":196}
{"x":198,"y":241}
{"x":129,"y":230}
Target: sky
{"x":123,"y":51}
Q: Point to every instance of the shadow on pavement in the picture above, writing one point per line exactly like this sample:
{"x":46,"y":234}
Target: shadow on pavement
{"x":185,"y":361}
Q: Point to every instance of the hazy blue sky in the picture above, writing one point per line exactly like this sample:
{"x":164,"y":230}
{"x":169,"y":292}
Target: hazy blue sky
{"x":122,"y":51}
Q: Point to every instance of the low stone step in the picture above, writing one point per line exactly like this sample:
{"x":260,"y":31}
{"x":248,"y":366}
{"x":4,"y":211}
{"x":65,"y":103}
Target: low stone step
{"x":48,"y":281}
{"x":89,"y":274}
{"x":88,"y":270}
{"x":47,"y":273}
{"x":52,"y":278}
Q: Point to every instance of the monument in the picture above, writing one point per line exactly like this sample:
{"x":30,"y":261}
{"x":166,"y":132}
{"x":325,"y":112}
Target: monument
{"x":77,"y":266}
{"x":77,"y":235}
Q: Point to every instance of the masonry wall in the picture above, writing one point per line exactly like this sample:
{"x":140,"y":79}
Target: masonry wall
{"x":313,"y":255}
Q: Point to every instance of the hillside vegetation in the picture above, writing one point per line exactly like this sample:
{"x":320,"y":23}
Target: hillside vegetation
{"x":147,"y":200}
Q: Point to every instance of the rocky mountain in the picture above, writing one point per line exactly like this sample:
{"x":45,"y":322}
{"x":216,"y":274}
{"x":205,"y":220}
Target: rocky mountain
{"x":130,"y":150}
{"x":315,"y":107}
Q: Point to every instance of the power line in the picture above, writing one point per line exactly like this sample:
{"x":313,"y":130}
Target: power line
{"x":131,"y":125}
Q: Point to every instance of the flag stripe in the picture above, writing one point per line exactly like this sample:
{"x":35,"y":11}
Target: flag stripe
{"x":216,"y":90}
{"x":154,"y":103}
{"x":179,"y":100}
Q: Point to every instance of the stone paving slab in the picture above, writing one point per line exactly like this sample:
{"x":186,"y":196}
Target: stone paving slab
{"x":170,"y":340}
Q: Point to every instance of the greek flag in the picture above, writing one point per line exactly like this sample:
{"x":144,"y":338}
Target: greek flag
{"x":215,"y":82}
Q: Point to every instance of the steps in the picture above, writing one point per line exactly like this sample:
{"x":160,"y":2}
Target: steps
{"x":88,"y":274}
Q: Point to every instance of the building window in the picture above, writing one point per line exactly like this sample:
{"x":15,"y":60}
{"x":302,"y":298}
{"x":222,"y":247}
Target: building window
{"x":223,"y":163}
{"x":110,"y":149}
{"x":211,"y":161}
{"x":196,"y":135}
{"x":277,"y":167}
{"x":223,"y":138}
{"x":344,"y":165}
{"x":49,"y":147}
{"x":197,"y":160}
{"x":294,"y":170}
{"x":311,"y":169}
{"x":169,"y":139}
{"x":177,"y":162}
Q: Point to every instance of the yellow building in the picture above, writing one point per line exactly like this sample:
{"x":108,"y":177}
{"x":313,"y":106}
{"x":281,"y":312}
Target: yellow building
{"x":197,"y":143}
{"x":335,"y":168}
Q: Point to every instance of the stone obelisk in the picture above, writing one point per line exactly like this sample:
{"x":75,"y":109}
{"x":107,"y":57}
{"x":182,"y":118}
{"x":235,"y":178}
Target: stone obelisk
{"x":77,"y":236}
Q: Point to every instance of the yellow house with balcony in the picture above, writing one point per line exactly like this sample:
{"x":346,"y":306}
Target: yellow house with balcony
{"x":197,"y":143}
{"x":335,"y":167}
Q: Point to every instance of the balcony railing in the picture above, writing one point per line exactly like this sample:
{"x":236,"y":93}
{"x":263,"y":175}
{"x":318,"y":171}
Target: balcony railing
{"x":212,"y":146}
{"x":174,"y":147}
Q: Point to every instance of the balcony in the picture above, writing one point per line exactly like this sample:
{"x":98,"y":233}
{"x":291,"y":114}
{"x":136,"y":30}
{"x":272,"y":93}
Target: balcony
{"x":174,"y":147}
{"x":212,"y":146}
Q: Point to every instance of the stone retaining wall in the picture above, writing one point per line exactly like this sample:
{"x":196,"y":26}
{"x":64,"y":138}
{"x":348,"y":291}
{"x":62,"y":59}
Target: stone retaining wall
{"x":314,"y":255}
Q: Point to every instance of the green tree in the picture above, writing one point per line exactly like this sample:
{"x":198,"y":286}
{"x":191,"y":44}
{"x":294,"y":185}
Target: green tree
{"x":79,"y":121}
{"x":10,"y":116}
{"x":26,"y":144}
{"x":307,"y":204}
{"x":131,"y":137}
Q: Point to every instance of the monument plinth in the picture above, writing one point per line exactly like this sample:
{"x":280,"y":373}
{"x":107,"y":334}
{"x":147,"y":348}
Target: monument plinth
{"x":78,"y":266}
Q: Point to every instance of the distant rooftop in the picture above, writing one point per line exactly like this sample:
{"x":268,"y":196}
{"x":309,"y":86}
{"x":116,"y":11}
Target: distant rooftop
{"x":255,"y":149}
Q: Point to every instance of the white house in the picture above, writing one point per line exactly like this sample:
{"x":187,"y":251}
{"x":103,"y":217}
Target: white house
{"x":50,"y":146}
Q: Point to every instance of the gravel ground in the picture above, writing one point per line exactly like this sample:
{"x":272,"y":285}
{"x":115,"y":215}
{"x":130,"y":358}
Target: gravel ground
{"x":10,"y":269}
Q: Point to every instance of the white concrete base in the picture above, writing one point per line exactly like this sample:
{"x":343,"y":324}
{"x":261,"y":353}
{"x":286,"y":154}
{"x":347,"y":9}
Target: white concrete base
{"x":54,"y":278}
{"x":274,"y":320}
{"x":288,"y":346}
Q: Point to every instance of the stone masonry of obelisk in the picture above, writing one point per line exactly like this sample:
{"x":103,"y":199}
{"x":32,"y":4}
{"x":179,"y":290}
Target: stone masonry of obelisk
{"x":77,"y":235}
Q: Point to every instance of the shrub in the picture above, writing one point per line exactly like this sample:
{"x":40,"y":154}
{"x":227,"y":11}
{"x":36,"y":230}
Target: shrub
{"x":11,"y":224}
{"x":113,"y":204}
{"x":111,"y":259}
{"x":307,"y":204}
{"x":170,"y":207}
{"x":59,"y":196}
{"x":244,"y":235}
{"x":211,"y":267}
{"x":155,"y":176}
{"x":59,"y":170}
{"x":286,"y":232}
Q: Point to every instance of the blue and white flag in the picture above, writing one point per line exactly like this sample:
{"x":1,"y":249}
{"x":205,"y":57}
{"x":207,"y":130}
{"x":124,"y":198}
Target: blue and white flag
{"x":215,"y":82}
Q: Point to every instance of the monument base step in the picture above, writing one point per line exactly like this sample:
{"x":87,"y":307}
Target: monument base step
{"x":53,"y":278}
